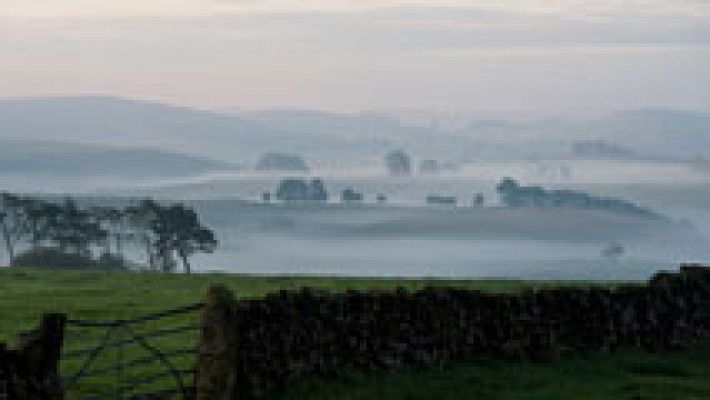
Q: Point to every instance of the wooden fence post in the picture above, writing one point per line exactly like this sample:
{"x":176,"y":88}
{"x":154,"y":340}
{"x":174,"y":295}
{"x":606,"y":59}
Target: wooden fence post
{"x":6,"y":389}
{"x":215,"y":375}
{"x":32,"y":368}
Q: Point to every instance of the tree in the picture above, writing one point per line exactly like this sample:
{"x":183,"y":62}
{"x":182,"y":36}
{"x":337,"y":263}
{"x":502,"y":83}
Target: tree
{"x":508,"y":189}
{"x":479,"y":200}
{"x":114,"y":222}
{"x":613,"y":251}
{"x":188,"y":235}
{"x":40,"y":216}
{"x":398,"y":163}
{"x":75,"y":234}
{"x":13,"y":223}
{"x":142,"y":219}
{"x":349,"y":196}
{"x":71,"y":229}
{"x":292,"y":190}
{"x":317,"y":191}
{"x":169,"y":231}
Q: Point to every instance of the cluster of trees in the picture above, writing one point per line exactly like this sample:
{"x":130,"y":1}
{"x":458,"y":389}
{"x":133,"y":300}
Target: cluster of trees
{"x":165,"y":233}
{"x":398,"y":163}
{"x":351,"y":196}
{"x":300,"y":190}
{"x":514,"y":195}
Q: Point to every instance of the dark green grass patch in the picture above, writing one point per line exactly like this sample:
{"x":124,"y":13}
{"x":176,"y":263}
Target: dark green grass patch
{"x":27,"y":293}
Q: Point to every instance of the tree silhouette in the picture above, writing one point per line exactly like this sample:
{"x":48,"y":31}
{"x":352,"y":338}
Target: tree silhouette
{"x":169,"y":231}
{"x":142,"y":218}
{"x":114,"y":222}
{"x":73,"y":230}
{"x":398,"y":163}
{"x":59,"y":229}
{"x":13,"y":223}
{"x":188,"y":235}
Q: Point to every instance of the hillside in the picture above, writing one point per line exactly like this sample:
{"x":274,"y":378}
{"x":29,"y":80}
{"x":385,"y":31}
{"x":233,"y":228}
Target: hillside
{"x":240,"y":136}
{"x":231,"y":137}
{"x":63,"y":158}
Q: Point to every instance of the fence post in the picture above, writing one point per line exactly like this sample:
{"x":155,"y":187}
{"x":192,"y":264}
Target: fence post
{"x":215,"y":376}
{"x":37,"y":360}
{"x":5,"y":373}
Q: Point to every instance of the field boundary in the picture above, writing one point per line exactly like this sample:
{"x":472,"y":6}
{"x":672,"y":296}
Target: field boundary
{"x":250,"y":347}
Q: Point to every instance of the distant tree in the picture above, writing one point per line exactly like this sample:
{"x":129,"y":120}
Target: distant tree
{"x":317,"y":191}
{"x":14,"y":225}
{"x":115,"y":223}
{"x":296,"y":190}
{"x":381,"y":198}
{"x":292,"y":190}
{"x":41,"y":215}
{"x":398,"y":163}
{"x":479,"y":200}
{"x":508,"y":191}
{"x":73,"y":230}
{"x":613,"y":251}
{"x":167,"y":231}
{"x":188,"y":235}
{"x":514,"y":195}
{"x":142,"y":217}
{"x":349,"y":196}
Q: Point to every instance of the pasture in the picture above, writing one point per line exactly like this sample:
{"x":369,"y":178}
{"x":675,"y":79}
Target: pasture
{"x":97,"y":295}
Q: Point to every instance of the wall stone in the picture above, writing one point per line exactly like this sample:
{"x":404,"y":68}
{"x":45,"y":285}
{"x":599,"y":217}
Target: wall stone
{"x":249,"y":347}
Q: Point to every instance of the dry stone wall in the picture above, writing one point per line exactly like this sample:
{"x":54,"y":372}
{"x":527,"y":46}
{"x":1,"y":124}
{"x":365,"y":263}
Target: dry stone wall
{"x":251,"y":346}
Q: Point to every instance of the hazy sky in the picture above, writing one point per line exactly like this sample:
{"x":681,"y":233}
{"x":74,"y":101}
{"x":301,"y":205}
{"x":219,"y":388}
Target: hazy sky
{"x":465,"y":56}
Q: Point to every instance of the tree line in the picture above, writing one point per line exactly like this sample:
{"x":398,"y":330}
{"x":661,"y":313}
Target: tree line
{"x":165,"y":234}
{"x":512,"y":194}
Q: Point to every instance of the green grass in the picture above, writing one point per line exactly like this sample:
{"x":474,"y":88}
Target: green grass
{"x":27,"y":293}
{"x":683,"y":375}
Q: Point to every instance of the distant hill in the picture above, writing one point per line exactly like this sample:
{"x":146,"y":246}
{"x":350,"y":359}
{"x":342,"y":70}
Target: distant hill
{"x":46,"y":157}
{"x":106,"y":120}
{"x":281,"y":162}
{"x":327,"y":136}
{"x":600,"y":149}
{"x":660,"y":132}
{"x":225,"y":136}
{"x":234,"y":137}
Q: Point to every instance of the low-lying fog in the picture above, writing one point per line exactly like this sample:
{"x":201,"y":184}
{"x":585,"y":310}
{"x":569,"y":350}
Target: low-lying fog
{"x":407,"y":238}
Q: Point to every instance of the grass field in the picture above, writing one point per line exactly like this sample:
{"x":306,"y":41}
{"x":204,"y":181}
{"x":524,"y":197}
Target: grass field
{"x":26,"y":293}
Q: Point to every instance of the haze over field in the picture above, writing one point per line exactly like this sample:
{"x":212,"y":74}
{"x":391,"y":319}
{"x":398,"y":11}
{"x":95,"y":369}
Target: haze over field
{"x":210,"y":101}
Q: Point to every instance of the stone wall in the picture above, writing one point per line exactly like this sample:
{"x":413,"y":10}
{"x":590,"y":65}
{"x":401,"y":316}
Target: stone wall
{"x":251,"y":346}
{"x":30,"y":371}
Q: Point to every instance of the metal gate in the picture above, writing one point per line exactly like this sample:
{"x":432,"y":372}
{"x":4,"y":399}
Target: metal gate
{"x":150,"y":357}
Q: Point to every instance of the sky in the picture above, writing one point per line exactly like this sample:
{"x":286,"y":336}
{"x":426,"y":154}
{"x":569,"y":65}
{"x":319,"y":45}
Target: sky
{"x":536,"y":56}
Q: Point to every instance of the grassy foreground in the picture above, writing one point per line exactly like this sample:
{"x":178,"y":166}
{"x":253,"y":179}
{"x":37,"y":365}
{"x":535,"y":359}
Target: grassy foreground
{"x":26,"y":293}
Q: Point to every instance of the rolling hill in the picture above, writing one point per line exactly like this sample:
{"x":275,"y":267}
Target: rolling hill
{"x":64,"y":158}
